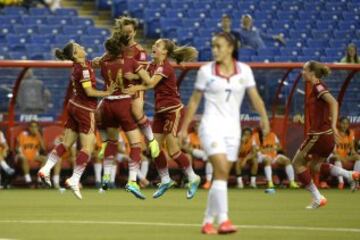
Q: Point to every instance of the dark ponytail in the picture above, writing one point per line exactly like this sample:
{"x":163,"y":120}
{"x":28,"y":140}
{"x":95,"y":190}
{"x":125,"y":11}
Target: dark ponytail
{"x":116,"y":44}
{"x":67,"y":53}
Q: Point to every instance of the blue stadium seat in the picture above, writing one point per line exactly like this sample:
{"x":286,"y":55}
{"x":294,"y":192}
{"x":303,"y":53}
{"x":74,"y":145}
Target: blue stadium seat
{"x":338,"y":43}
{"x":262,"y":58}
{"x":216,"y":14}
{"x":103,"y":4}
{"x":37,"y":48}
{"x":41,"y":39}
{"x":291,"y":5}
{"x":290,"y":52}
{"x":17,"y":39}
{"x":34,"y":20}
{"x":205,"y":55}
{"x":59,"y":20}
{"x":202,"y":42}
{"x":303,"y":24}
{"x":66,"y":12}
{"x":174,"y":13}
{"x":39,"y":11}
{"x":282,"y":24}
{"x":316,"y":43}
{"x":151,"y":14}
{"x":94,"y":31}
{"x":302,"y":34}
{"x":286,"y":15}
{"x":321,"y":34}
{"x":334,"y":52}
{"x":36,"y":56}
{"x":185,"y":35}
{"x":263,"y":16}
{"x":308,"y":15}
{"x":22,"y":29}
{"x":284,"y":58}
{"x":312,"y":52}
{"x":329,"y":16}
{"x":17,"y":55}
{"x":49,"y":29}
{"x":152,"y":28}
{"x":299,"y":43}
{"x":222,"y":5}
{"x":350,"y":17}
{"x":73,"y":30}
{"x":179,"y":4}
{"x":80,"y":21}
{"x":212,"y":24}
{"x":328,"y":24}
{"x":197,"y":13}
{"x":91,"y":40}
{"x":191,"y":23}
{"x":341,"y":34}
{"x":348,"y":25}
{"x":64,"y":39}
{"x":247,"y":52}
{"x":268,"y":6}
{"x":268,"y":52}
{"x":19,"y":11}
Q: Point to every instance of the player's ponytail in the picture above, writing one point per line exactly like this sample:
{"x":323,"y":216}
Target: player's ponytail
{"x":319,"y":69}
{"x":116,"y":43}
{"x":180,"y":53}
{"x":67,"y":53}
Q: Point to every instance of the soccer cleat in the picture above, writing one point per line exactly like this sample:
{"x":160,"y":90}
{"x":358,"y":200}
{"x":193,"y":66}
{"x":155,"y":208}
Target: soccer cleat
{"x":154,"y":148}
{"x":240,"y":184}
{"x":227,"y":227}
{"x":208,"y":229}
{"x":74,"y":188}
{"x":317,"y":203}
{"x":293,"y":185}
{"x":354,"y":183}
{"x":134,"y":188}
{"x":193,"y":187}
{"x":341,"y":186}
{"x":206,"y":185}
{"x":105,"y":182}
{"x":270,"y":185}
{"x":45,"y":178}
{"x":163,"y":187}
{"x":102,"y":150}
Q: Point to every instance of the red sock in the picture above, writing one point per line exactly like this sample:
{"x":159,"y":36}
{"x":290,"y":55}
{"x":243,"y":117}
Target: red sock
{"x":325,"y":169}
{"x":161,"y":161}
{"x":181,"y":159}
{"x":305,"y":177}
{"x":60,"y":150}
{"x":82,"y":158}
{"x":135,"y":155}
{"x":111,"y":149}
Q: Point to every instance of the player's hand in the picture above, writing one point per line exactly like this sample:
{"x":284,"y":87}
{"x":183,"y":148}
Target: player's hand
{"x":336,"y":135}
{"x":265,"y":126}
{"x":131,"y":76}
{"x":131,"y":90}
{"x":182,"y":136}
{"x":111,"y":88}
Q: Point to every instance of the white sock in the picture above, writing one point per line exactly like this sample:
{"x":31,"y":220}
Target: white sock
{"x":208,"y":171}
{"x":338,"y":171}
{"x":220,"y":200}
{"x":140,"y":175}
{"x":314,"y":191}
{"x":210,"y":211}
{"x":147,"y":131}
{"x":239,"y":181}
{"x":164,"y":175}
{"x":51,"y":161}
{"x":27,"y":178}
{"x":253,"y":180}
{"x":357,"y":166}
{"x":134,"y":167}
{"x":56,"y":180}
{"x":144,"y":168}
{"x":4,"y":165}
{"x":77,"y":173}
{"x":339,"y":164}
{"x":97,"y":170}
{"x":113,"y":173}
{"x":189,"y":171}
{"x":290,"y":172}
{"x":108,"y":162}
{"x":268,"y":173}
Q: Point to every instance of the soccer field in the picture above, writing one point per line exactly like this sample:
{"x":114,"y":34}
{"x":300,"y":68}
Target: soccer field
{"x":48,"y":214}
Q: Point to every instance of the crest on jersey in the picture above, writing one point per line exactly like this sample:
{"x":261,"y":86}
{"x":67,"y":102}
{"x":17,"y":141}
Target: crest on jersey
{"x":86,"y":73}
{"x":320,"y":88}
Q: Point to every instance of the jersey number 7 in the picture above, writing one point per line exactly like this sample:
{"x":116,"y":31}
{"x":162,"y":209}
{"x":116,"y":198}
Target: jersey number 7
{"x":228,"y":91}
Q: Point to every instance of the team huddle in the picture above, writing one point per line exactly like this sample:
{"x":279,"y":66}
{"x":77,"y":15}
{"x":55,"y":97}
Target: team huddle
{"x":223,"y":84}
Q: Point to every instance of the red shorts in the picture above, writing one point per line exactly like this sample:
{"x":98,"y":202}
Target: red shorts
{"x":168,"y":121}
{"x":318,"y":145}
{"x":80,"y":119}
{"x":117,"y":113}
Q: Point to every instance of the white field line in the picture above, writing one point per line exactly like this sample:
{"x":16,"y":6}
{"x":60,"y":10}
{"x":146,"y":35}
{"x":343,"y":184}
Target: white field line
{"x":160,"y":224}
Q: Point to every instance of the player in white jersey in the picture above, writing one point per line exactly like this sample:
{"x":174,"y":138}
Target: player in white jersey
{"x":223,"y":83}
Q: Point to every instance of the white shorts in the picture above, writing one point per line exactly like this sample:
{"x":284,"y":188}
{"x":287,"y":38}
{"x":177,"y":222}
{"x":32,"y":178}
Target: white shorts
{"x":216,"y":143}
{"x":261,"y":157}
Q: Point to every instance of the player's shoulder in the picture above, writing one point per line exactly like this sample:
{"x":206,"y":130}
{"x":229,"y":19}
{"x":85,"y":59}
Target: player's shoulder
{"x":139,"y":47}
{"x":243,"y":67}
{"x":208,"y":68}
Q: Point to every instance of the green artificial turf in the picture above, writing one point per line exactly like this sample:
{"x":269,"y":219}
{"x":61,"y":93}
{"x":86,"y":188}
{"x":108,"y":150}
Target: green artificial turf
{"x":48,"y":214}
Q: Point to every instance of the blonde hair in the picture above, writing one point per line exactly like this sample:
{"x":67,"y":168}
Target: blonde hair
{"x":319,"y":69}
{"x":180,"y":53}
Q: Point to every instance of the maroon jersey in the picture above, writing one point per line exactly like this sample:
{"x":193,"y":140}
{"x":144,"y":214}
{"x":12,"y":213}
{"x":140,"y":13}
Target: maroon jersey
{"x":79,"y":75}
{"x":167,"y":96}
{"x":111,"y":67}
{"x":319,"y":111}
{"x":136,"y":51}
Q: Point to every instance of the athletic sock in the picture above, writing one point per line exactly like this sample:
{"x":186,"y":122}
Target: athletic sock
{"x":339,"y":164}
{"x":145,"y":127}
{"x":184,"y":162}
{"x":4,"y":166}
{"x":268,"y":173}
{"x":80,"y":165}
{"x":97,"y":170}
{"x":208,"y":171}
{"x":220,"y":199}
{"x":56,"y":181}
{"x":134,"y":164}
{"x":27,"y":178}
{"x":162,"y":168}
{"x":54,"y":157}
{"x":290,"y":172}
{"x":113,"y":172}
{"x":305,"y":179}
{"x":144,"y":169}
{"x":327,"y":168}
{"x":253,"y":180}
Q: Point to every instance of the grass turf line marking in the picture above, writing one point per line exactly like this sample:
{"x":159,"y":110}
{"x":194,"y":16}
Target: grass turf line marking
{"x":160,"y":224}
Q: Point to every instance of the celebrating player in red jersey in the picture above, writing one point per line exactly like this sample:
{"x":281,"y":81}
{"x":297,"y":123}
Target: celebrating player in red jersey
{"x":81,"y":119}
{"x":117,"y":110}
{"x":168,"y":111}
{"x":323,"y":115}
